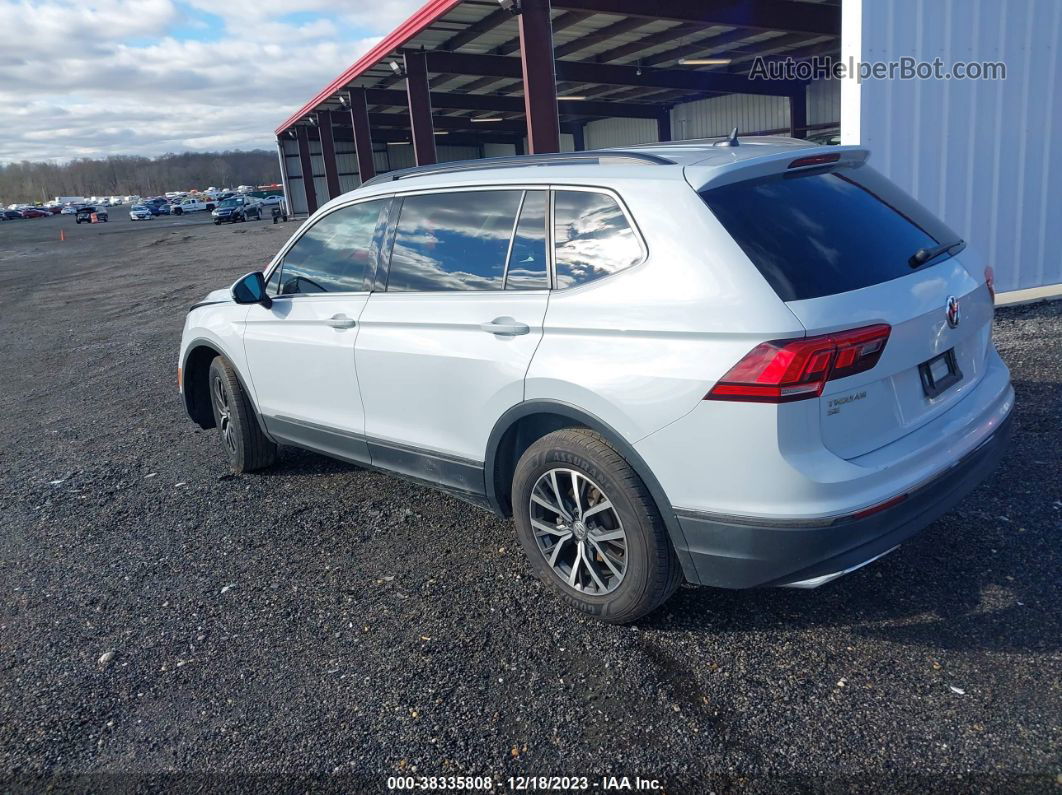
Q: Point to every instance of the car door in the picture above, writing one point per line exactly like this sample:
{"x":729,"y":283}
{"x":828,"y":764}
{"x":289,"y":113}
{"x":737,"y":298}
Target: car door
{"x":446,"y":338}
{"x":300,"y":349}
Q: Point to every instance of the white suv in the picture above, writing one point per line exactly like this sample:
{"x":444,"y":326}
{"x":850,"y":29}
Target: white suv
{"x":737,"y":363}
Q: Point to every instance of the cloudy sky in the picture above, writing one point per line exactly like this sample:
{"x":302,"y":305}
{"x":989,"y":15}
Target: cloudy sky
{"x":88,"y":78}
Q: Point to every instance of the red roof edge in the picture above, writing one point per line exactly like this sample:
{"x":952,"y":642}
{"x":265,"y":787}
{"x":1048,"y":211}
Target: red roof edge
{"x":427,"y":14}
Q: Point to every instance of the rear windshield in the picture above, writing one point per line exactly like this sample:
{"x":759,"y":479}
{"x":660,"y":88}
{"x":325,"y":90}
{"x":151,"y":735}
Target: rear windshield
{"x":826,"y":231}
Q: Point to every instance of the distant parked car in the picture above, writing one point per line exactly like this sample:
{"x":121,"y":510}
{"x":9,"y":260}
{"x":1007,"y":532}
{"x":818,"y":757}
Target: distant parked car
{"x":271,"y":201}
{"x":158,"y":206}
{"x":54,"y":209}
{"x":190,"y":205}
{"x":140,"y":212}
{"x":11,"y":215}
{"x":70,"y":209}
{"x":84,"y":214}
{"x":35,"y":212}
{"x":238,"y":208}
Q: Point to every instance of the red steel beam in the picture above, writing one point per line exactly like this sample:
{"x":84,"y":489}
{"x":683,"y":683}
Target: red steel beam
{"x":328,"y":152}
{"x":798,"y":114}
{"x":510,"y":104}
{"x":359,"y":119}
{"x":540,"y":81}
{"x":302,"y":135}
{"x":663,"y":125}
{"x":585,"y":72}
{"x":419,"y":94}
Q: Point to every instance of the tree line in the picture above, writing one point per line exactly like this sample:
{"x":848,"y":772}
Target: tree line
{"x":134,"y":175}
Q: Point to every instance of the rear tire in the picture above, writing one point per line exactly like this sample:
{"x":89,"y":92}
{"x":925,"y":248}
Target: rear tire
{"x":246,"y":447}
{"x":604,"y":549}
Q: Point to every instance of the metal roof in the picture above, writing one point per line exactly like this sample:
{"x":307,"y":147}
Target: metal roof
{"x":646,"y":38}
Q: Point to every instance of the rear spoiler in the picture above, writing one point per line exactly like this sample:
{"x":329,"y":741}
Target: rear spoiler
{"x":710,"y":173}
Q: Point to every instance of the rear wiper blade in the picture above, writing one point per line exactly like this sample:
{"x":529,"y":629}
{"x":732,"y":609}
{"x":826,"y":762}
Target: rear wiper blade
{"x":924,"y":255}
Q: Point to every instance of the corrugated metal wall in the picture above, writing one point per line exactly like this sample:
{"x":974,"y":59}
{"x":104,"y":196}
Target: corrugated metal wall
{"x":618,"y":132}
{"x":716,"y":116}
{"x":985,"y":155}
{"x":293,"y":166}
{"x":706,"y":118}
{"x":824,"y":102}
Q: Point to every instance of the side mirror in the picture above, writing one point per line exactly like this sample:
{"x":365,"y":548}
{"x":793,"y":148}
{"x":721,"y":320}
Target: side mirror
{"x":251,"y":289}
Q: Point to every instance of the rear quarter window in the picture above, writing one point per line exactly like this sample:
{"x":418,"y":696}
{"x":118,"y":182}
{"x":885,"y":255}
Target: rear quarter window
{"x":592,"y":238}
{"x":818,"y":233}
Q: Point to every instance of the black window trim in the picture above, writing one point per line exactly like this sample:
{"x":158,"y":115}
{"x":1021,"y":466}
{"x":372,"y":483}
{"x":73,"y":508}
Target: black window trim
{"x":367,"y":283}
{"x":512,"y":242}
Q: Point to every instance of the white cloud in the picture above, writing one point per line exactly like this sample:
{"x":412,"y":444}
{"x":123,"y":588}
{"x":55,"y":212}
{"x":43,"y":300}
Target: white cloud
{"x":130,"y":76}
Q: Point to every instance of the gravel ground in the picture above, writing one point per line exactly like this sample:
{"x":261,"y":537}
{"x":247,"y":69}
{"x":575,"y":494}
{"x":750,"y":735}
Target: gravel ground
{"x":325,"y":626}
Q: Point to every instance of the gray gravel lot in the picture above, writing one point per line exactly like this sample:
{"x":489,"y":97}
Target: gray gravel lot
{"x":162,"y":617}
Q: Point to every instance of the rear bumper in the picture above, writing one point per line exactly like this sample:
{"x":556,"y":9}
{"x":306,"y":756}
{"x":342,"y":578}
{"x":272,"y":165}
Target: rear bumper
{"x":732,"y":552}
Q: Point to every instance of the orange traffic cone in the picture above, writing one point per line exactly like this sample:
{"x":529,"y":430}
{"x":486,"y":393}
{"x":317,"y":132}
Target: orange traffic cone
{"x":62,"y":234}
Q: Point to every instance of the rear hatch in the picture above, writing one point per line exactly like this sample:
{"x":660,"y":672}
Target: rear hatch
{"x":836,"y":242}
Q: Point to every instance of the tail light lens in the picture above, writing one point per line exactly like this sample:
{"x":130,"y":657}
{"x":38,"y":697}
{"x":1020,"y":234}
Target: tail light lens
{"x":990,"y":280}
{"x":782,"y":371}
{"x":815,"y":160}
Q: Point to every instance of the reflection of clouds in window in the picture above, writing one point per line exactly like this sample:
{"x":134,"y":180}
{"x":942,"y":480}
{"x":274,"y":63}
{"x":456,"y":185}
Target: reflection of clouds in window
{"x":527,"y":261}
{"x":593,"y":238}
{"x":332,"y":256}
{"x":453,"y":241}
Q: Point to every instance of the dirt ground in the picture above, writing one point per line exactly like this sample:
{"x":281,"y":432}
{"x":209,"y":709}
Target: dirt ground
{"x":163,"y":622}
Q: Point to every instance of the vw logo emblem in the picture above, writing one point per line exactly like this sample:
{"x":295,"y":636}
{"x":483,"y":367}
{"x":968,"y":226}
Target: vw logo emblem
{"x":951,"y":311}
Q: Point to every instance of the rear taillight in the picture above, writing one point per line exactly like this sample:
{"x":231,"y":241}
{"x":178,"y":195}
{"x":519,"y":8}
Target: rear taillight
{"x":990,"y":280}
{"x":781,"y":371}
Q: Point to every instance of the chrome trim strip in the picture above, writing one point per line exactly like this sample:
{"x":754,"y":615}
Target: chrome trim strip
{"x":815,"y":582}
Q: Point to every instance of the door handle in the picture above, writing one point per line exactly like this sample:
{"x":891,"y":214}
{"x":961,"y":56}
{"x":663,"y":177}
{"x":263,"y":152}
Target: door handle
{"x":341,"y":321}
{"x":505,"y":327}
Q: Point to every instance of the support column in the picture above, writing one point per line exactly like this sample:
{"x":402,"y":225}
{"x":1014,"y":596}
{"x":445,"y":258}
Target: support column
{"x":303,"y":136}
{"x":284,"y":175}
{"x":663,"y":125}
{"x":359,"y":118}
{"x":540,"y":79}
{"x":419,"y":95}
{"x":328,"y":152}
{"x":579,"y":137}
{"x":798,"y":115}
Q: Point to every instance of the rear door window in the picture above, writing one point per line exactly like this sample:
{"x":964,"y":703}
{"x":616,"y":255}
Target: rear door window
{"x":592,"y":237}
{"x":453,"y":241}
{"x":819,"y":233}
{"x":527,"y":269}
{"x":334,"y":255}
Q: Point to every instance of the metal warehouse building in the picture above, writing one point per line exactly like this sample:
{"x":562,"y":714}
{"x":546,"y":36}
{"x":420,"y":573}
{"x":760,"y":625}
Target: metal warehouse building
{"x":464,"y":79}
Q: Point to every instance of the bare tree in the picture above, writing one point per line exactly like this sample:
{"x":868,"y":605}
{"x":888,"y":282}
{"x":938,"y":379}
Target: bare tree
{"x":129,"y":174}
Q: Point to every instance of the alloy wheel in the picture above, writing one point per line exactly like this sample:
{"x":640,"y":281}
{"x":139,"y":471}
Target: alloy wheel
{"x":578,"y":531}
{"x":221,"y":404}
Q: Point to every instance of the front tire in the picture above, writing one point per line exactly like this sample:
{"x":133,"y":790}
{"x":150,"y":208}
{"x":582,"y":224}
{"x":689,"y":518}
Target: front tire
{"x":246,"y":447}
{"x":590,"y":528}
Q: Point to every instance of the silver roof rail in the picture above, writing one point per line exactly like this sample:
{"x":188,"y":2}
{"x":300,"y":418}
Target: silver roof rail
{"x":603,"y":157}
